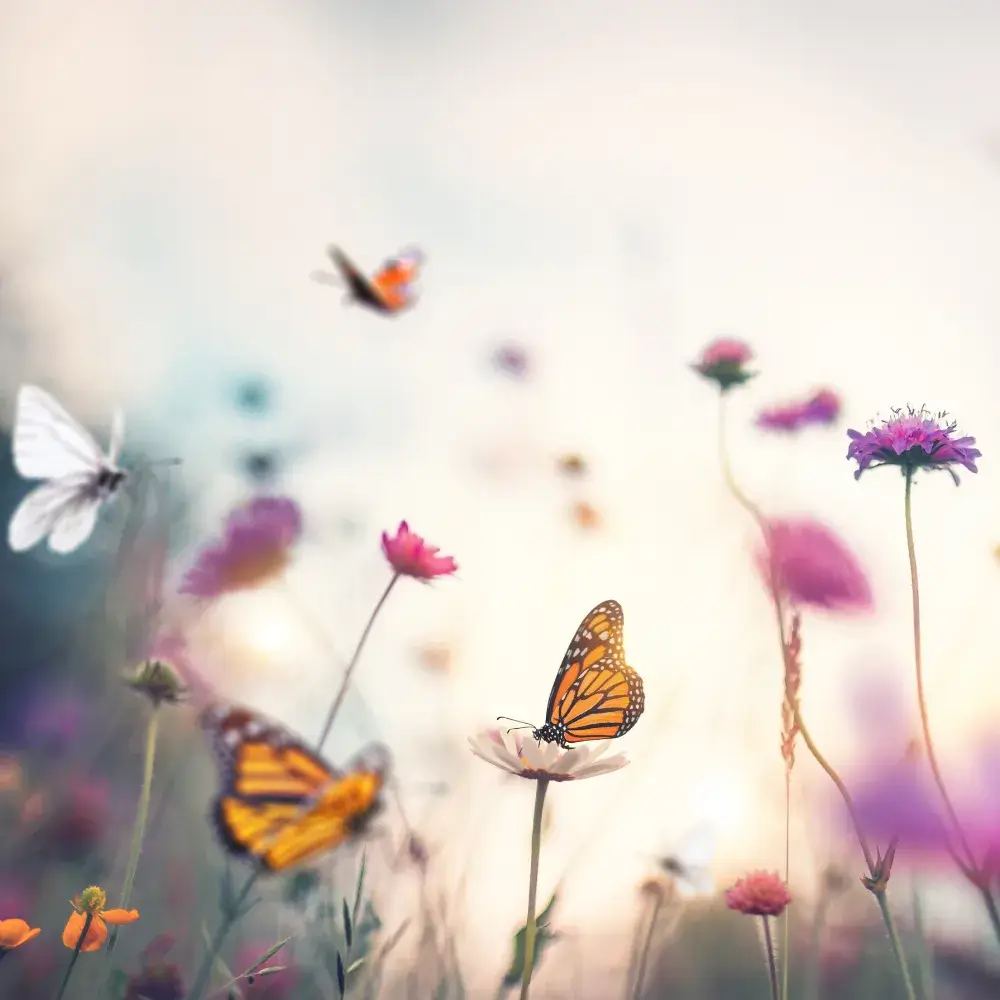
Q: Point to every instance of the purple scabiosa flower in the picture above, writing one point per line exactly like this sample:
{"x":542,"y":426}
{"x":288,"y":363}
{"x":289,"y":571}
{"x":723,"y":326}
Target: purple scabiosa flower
{"x":823,"y":407}
{"x":813,"y":567}
{"x":724,"y":363}
{"x":913,"y":439}
{"x":255,"y":548}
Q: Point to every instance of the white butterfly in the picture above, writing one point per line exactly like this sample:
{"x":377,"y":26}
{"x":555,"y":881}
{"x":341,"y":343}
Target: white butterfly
{"x":689,"y":864}
{"x":49,"y":444}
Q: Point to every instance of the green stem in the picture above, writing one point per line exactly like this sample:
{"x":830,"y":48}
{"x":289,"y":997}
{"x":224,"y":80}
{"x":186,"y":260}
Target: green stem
{"x":530,"y":926}
{"x":784,"y":916}
{"x":335,"y":707}
{"x":819,"y":921}
{"x":925,"y":956}
{"x":640,"y":974}
{"x":88,"y":920}
{"x":897,"y":948}
{"x":772,"y":971}
{"x":139,"y":830}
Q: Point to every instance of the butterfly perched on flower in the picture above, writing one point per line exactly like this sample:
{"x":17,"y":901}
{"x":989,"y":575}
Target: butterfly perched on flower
{"x":280,"y":803}
{"x":389,"y":290}
{"x":596,"y":695}
{"x":49,"y":444}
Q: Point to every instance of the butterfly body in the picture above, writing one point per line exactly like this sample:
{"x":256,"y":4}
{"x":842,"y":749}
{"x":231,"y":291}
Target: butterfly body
{"x":280,"y":803}
{"x":389,"y":290}
{"x":49,"y":444}
{"x":596,"y":695}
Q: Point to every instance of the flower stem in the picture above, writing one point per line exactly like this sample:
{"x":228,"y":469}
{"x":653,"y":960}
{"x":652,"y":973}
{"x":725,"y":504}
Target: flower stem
{"x":341,"y":693}
{"x":784,"y":916}
{"x":772,"y":970}
{"x":640,"y":974}
{"x":87,"y":921}
{"x":139,"y":830}
{"x":530,"y":926}
{"x":897,"y":948}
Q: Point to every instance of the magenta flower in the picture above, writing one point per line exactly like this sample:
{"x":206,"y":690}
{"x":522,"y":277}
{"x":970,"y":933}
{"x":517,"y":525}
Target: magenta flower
{"x":255,"y":548}
{"x":914,"y":439}
{"x":724,"y":361}
{"x":759,"y":894}
{"x":813,"y":567}
{"x":822,"y":407}
{"x":410,"y":555}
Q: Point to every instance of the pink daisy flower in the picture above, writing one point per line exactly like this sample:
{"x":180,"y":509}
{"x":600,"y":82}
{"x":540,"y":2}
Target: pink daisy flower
{"x":913,"y":439}
{"x":410,"y":555}
{"x":813,"y":566}
{"x":256,"y":547}
{"x":723,"y":361}
{"x":759,"y":894}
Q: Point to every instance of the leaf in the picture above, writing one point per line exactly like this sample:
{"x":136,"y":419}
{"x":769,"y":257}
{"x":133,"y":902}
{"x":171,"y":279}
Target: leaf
{"x":341,"y":982}
{"x":360,"y":886}
{"x":543,"y":937}
{"x":348,"y":928}
{"x":270,"y":953}
{"x":270,"y":970}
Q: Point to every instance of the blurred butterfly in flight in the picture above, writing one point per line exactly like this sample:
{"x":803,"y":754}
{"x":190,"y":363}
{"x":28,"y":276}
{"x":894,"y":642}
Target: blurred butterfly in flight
{"x":389,"y":290}
{"x":280,"y":803}
{"x":689,"y":864}
{"x":596,"y":695}
{"x":49,"y":444}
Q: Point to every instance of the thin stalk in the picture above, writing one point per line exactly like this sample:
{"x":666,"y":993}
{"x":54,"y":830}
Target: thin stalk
{"x":139,"y":830}
{"x":530,"y":925}
{"x":640,"y":974}
{"x":819,"y":922}
{"x":773,"y":972}
{"x":87,"y":921}
{"x":926,"y":955}
{"x":897,"y":948}
{"x":335,"y":707}
{"x":784,"y":916}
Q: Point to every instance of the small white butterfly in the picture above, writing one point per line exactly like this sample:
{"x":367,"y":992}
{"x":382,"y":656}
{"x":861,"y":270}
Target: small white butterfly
{"x":689,"y":864}
{"x":49,"y":444}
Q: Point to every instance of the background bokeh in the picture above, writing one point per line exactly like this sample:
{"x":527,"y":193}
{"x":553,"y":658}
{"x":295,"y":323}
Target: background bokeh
{"x":607,"y":187}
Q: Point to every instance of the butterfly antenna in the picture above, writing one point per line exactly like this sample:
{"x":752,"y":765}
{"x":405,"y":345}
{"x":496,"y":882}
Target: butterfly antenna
{"x":521,"y":724}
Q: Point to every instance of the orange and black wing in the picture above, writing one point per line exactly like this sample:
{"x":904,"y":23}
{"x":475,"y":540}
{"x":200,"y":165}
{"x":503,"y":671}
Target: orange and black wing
{"x":361,"y":288}
{"x":596,"y":694}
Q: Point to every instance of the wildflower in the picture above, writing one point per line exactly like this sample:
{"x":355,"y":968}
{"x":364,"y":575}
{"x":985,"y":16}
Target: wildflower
{"x":91,"y":903}
{"x":156,"y":979}
{"x":410,"y":555}
{"x":158,"y":681}
{"x":822,"y":407}
{"x":256,"y":548}
{"x":879,"y":878}
{"x":913,"y":439}
{"x":14,"y":932}
{"x":813,"y":567}
{"x":723,"y":362}
{"x":546,"y":761}
{"x":759,"y":894}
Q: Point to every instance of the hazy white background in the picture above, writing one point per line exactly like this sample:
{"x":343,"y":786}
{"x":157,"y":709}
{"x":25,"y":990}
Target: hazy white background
{"x":613,"y":185}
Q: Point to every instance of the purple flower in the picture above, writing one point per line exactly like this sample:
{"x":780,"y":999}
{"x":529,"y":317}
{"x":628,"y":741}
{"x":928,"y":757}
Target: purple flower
{"x":913,"y":439}
{"x":724,"y":362}
{"x":255,"y":548}
{"x":823,"y":407}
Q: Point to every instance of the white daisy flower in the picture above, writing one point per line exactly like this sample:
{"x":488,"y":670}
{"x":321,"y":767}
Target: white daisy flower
{"x":527,"y":758}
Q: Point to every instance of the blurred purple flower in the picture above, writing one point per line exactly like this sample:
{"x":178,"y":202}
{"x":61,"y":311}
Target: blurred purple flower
{"x":157,"y":979}
{"x":511,"y":359}
{"x":272,"y":986}
{"x":53,"y":721}
{"x":913,"y":439}
{"x":724,"y":362}
{"x":814,"y":567}
{"x":823,"y":407}
{"x":255,"y":549}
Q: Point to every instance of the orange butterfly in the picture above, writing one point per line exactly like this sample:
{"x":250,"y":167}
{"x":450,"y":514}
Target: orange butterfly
{"x":596,"y":695}
{"x":280,"y":803}
{"x":390,"y":289}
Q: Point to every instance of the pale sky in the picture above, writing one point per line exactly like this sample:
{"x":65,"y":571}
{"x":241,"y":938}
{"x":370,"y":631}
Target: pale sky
{"x":613,"y":185}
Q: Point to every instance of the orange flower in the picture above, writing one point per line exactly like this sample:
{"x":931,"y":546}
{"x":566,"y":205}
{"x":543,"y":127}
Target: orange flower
{"x":14,"y":932}
{"x":91,"y":901}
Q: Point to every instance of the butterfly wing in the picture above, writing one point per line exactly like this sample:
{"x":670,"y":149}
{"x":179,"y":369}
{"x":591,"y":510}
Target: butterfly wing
{"x":48,"y":507}
{"x":596,"y":694}
{"x":48,"y":442}
{"x":361,"y":289}
{"x":690,"y":862}
{"x":74,"y":525}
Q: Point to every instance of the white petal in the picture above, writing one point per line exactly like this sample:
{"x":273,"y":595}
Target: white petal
{"x":485,"y":749}
{"x":602,"y":767}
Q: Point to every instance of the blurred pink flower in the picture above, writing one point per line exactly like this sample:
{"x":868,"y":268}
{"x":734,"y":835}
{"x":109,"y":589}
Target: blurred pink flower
{"x":273,"y":986}
{"x":157,"y":979}
{"x":914,"y":439}
{"x":255,"y":549}
{"x":759,"y":894}
{"x":410,"y":555}
{"x":78,"y":818}
{"x":723,"y":361}
{"x":822,"y":407}
{"x":814,"y":567}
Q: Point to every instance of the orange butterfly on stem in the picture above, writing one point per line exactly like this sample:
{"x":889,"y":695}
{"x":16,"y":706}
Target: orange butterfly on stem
{"x":389,"y":290}
{"x":280,"y":803}
{"x":596,"y":695}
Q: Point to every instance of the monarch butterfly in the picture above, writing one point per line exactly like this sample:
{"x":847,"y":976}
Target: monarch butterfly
{"x":596,"y":695}
{"x":280,"y":803}
{"x":390,"y":289}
